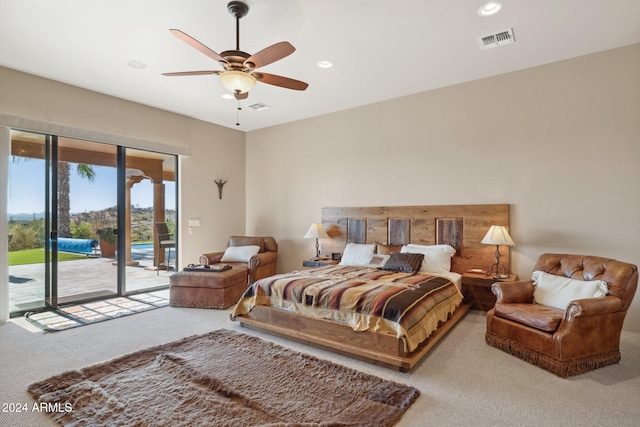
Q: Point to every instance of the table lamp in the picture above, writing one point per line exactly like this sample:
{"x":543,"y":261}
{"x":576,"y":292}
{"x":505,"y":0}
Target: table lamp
{"x":499,"y":236}
{"x":316,"y":232}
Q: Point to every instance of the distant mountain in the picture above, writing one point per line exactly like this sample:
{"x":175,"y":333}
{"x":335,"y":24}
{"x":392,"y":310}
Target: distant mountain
{"x":109,"y":213}
{"x":23,"y":217}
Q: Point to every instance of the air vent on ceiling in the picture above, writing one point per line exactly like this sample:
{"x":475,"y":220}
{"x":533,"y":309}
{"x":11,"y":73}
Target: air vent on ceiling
{"x":498,"y":39}
{"x":259,"y":106}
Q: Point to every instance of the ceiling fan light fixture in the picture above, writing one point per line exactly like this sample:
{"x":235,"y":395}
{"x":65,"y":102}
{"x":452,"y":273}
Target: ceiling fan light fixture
{"x":238,"y":77}
{"x":237,"y":81}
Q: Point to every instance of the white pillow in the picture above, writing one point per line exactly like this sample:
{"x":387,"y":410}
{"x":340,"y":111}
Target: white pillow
{"x":559,"y":291}
{"x":356,"y":254}
{"x":239,"y":253}
{"x":437,"y":258}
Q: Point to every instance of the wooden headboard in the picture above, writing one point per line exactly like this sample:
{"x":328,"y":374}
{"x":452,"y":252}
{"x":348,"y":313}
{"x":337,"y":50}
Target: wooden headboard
{"x":462,"y":226}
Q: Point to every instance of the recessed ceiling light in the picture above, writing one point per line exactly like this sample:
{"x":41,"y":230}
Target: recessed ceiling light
{"x":226,"y":96}
{"x":325,"y":64}
{"x":137,"y":65}
{"x":490,"y":8}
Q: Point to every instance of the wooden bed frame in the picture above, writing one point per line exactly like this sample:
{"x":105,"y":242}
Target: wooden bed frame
{"x":462,"y":226}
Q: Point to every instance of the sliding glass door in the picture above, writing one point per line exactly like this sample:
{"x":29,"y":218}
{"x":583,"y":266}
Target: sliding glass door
{"x":85,"y":217}
{"x":82,"y":218}
{"x":150,"y":198}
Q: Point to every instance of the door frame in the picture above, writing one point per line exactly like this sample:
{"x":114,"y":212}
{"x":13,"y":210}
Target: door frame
{"x":52,"y":156}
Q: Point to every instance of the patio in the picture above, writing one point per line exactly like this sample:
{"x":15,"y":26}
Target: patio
{"x":90,"y":277}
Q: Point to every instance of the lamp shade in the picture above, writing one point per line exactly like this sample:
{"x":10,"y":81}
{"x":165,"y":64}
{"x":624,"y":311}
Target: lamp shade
{"x":316,"y":232}
{"x":237,"y":81}
{"x":498,"y":235}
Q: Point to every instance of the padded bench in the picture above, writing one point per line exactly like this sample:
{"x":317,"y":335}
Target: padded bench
{"x":199,"y":289}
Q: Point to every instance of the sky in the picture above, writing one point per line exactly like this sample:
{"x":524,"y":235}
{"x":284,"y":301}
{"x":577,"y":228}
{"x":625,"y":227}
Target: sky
{"x":27,"y":189}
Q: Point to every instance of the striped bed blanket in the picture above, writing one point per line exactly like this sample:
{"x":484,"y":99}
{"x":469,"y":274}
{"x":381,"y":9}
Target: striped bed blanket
{"x":407,"y":305}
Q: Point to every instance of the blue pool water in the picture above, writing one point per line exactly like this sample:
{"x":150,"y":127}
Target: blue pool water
{"x":142,"y":246}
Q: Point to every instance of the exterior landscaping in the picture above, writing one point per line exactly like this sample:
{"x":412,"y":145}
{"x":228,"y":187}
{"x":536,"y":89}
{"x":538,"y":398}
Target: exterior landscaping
{"x":26,"y":236}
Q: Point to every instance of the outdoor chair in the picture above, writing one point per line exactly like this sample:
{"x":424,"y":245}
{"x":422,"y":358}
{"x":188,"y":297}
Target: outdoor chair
{"x":165,"y":241}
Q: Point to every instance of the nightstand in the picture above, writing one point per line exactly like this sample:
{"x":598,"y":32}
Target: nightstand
{"x":476,"y":288}
{"x":319,"y":262}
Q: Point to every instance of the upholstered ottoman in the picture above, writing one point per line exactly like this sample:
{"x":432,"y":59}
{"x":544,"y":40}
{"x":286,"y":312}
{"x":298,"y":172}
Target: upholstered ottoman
{"x":200,"y":289}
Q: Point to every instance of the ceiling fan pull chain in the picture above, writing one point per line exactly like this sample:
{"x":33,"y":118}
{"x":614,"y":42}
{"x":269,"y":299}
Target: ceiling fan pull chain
{"x":238,"y":109}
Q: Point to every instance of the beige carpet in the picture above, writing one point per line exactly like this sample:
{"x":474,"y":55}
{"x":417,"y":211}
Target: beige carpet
{"x":462,"y":382}
{"x":223,"y":378}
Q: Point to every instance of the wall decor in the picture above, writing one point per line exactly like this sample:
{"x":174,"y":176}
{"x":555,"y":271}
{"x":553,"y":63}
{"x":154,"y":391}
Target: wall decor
{"x":449,"y":232}
{"x":221,"y":184}
{"x":399,"y":230}
{"x":357,"y":230}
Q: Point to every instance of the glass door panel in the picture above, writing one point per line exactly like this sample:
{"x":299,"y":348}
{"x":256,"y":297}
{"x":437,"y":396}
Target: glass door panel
{"x":86,"y":219}
{"x":150,"y":194}
{"x":28,"y":229}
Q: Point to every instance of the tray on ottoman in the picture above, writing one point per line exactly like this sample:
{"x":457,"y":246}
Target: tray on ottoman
{"x":216,"y":268}
{"x":199,"y":289}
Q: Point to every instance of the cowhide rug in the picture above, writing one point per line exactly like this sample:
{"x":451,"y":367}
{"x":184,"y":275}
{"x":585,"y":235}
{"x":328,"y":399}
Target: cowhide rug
{"x":223,"y":378}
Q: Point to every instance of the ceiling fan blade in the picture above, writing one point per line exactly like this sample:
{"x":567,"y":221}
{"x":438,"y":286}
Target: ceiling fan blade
{"x":241,"y":95}
{"x":284,"y":82}
{"x":190,"y":73}
{"x":271,"y":54}
{"x":197,"y":45}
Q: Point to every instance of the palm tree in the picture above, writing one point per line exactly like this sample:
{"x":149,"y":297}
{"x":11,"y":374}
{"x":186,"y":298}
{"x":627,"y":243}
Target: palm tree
{"x":64,"y":190}
{"x":64,"y":174}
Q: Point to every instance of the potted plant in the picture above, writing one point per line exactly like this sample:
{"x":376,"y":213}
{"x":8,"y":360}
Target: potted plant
{"x":108,"y":241}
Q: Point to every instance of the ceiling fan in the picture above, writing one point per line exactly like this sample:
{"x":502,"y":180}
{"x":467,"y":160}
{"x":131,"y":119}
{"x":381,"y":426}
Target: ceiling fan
{"x":239,"y":74}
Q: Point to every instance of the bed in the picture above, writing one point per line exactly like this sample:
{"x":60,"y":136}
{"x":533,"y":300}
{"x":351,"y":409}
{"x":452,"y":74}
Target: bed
{"x":391,"y":298}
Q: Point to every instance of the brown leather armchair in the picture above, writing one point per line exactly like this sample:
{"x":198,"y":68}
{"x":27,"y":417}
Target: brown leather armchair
{"x":584,"y":336}
{"x":259,"y":266}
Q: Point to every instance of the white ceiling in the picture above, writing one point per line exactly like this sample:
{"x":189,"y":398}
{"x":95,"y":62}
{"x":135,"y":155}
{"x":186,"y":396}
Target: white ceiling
{"x":381,"y":49}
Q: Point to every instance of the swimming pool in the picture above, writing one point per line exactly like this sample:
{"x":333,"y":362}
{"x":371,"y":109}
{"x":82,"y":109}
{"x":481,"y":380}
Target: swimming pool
{"x":142,"y":245}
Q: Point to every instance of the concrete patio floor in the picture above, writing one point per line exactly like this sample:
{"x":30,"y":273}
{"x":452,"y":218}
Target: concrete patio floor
{"x":90,"y":277}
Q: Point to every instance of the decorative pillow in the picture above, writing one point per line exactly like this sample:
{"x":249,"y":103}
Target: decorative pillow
{"x":378,"y":261}
{"x":384,"y":249}
{"x":356,"y":254}
{"x":437,"y":258}
{"x":559,"y":291}
{"x":247,"y":241}
{"x":239,"y":253}
{"x":404,"y":263}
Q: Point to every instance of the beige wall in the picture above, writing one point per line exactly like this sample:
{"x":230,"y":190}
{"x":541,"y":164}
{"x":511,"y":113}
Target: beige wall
{"x":560,"y":143}
{"x":43,"y":100}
